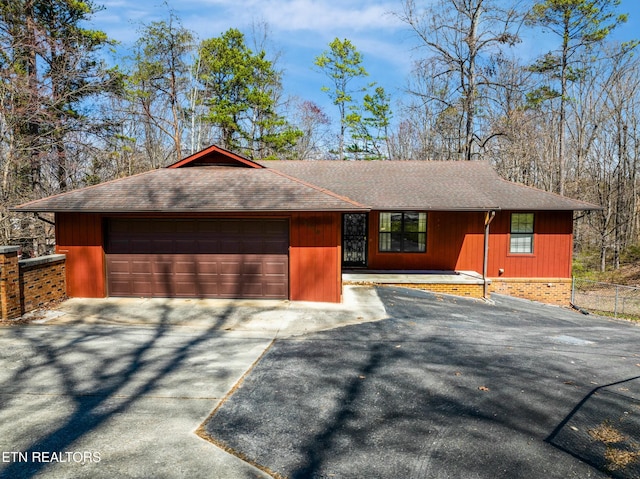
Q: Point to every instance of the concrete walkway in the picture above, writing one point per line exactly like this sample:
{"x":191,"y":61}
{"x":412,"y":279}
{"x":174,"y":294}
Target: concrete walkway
{"x":412,"y":277}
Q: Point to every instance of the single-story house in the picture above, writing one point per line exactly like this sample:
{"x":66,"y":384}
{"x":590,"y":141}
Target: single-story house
{"x":219,"y":225}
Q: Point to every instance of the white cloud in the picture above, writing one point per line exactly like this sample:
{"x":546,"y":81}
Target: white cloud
{"x":326,"y":16}
{"x":296,"y":15}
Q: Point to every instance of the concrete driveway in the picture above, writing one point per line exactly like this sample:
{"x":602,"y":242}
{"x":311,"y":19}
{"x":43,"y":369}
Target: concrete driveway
{"x":117,"y":388}
{"x":442,"y":387}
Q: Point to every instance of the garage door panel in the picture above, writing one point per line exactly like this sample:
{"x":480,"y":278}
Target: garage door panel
{"x":273,"y":290}
{"x":251,"y":268}
{"x":207,"y":246}
{"x":274,"y":268}
{"x":138,"y":266}
{"x":207,"y":268}
{"x":120,"y":267}
{"x":198,"y":258}
{"x":141,"y":287}
{"x":182,"y":267}
{"x":275,"y":247}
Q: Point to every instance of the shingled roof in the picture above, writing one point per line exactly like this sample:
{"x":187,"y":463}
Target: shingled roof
{"x":215,"y":180}
{"x":197,"y":189}
{"x":425,"y":185}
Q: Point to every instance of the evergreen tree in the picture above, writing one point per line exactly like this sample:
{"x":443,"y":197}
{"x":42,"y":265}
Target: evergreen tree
{"x":238,"y":89}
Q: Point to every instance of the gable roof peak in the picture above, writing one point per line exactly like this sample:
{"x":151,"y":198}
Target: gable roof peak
{"x":215,"y":156}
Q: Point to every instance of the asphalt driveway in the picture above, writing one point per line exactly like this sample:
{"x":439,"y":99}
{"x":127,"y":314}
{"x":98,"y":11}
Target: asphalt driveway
{"x":442,"y":387}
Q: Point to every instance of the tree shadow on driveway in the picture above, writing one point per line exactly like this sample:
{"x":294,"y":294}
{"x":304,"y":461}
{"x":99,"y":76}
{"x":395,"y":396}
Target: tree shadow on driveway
{"x":62,"y":384}
{"x":442,"y":388}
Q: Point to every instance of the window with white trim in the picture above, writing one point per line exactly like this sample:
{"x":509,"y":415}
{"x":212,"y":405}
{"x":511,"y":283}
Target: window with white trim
{"x":521,"y":240}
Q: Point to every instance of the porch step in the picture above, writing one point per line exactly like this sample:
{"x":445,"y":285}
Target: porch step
{"x":411,"y":277}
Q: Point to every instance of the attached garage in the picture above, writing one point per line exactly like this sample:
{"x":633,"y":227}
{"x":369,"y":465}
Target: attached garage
{"x":203,"y":258}
{"x":214,"y":225}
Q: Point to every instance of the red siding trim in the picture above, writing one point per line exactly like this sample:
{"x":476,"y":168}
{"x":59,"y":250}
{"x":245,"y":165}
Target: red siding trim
{"x":215,"y":154}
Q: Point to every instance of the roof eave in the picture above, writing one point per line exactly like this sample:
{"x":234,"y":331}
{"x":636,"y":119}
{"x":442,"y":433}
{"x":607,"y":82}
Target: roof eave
{"x":188,"y":210}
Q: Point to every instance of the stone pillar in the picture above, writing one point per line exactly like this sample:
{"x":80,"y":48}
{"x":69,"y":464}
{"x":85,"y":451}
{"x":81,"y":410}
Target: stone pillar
{"x":9,"y":283}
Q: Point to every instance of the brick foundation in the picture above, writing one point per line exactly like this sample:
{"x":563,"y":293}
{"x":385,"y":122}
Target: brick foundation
{"x":467,"y":290}
{"x":545,"y":290}
{"x":29,"y":284}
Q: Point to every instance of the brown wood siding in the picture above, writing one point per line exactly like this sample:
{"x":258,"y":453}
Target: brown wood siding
{"x":178,"y":257}
{"x":80,"y":237}
{"x":552,"y":247}
{"x":452,"y":242}
{"x":315,"y":257}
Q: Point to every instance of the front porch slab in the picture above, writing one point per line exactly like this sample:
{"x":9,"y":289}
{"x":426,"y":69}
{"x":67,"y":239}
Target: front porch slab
{"x":460,"y":283}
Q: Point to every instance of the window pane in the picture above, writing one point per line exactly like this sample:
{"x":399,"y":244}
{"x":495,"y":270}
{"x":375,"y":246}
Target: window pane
{"x":396,"y":242}
{"x":414,"y":242}
{"x":521,"y":243}
{"x":422,"y":222}
{"x":385,"y":221}
{"x":521,"y":233}
{"x":396,"y":222}
{"x":385,"y":242}
{"x":522,"y":223}
{"x":411,"y":222}
{"x":402,"y":231}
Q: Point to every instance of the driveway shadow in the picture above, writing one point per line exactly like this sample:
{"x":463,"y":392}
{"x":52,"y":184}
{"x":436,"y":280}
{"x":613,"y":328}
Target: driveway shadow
{"x":83,"y":377}
{"x":603,"y":429}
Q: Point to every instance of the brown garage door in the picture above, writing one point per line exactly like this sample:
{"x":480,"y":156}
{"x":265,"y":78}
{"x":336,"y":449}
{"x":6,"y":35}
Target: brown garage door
{"x":198,"y":258}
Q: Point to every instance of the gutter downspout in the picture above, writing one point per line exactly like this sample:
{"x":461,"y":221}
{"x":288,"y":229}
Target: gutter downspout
{"x":488,"y":218}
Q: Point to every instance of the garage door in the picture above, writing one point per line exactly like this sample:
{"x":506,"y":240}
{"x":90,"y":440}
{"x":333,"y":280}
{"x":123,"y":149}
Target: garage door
{"x":198,"y":258}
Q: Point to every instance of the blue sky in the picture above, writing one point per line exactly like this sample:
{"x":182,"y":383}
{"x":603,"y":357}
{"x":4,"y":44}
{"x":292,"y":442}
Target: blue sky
{"x":301,"y":29}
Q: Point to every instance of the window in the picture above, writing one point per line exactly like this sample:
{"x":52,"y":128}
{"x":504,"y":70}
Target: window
{"x":521,"y":233}
{"x":403,"y":232}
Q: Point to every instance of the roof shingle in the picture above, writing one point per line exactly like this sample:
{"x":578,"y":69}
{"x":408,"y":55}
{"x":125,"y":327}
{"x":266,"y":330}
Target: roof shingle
{"x":311,"y":186}
{"x":425,"y":185}
{"x":196,"y":189}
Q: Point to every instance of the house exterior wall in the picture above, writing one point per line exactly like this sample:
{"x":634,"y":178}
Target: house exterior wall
{"x":315,"y":272}
{"x":552,"y":247}
{"x":545,"y":290}
{"x":80,"y":237}
{"x":455,"y":241}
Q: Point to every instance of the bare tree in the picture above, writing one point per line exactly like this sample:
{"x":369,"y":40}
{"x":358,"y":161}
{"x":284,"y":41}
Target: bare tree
{"x":464,"y":39}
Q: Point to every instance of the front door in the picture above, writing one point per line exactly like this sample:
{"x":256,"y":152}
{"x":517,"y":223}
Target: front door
{"x":354,"y":240}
